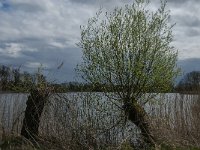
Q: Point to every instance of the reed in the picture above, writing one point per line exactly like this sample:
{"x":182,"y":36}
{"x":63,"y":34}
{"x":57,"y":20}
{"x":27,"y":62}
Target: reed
{"x":91,"y":121}
{"x":177,"y":121}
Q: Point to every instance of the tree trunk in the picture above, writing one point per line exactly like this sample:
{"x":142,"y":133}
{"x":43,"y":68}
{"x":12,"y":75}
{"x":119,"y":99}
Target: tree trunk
{"x":35,"y":105}
{"x":137,"y":115}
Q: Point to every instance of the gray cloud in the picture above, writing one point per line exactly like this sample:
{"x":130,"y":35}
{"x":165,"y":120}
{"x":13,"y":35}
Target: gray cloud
{"x":180,"y":1}
{"x":91,"y":2}
{"x":84,"y":1}
{"x":188,"y":20}
{"x":27,"y":7}
{"x":45,"y":31}
{"x":193,"y":32}
{"x":188,"y":65}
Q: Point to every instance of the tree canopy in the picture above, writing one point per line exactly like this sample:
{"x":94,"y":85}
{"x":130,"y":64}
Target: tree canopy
{"x":129,"y":49}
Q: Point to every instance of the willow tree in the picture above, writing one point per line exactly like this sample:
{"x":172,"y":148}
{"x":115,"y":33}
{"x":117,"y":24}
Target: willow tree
{"x":40,"y":92}
{"x":129,"y":51}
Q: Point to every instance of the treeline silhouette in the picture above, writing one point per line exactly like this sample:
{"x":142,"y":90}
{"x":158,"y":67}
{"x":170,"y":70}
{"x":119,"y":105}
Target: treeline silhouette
{"x":14,"y":80}
{"x":190,"y":83}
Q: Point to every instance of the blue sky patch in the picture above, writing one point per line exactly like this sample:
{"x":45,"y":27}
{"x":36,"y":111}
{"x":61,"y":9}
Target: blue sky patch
{"x":4,"y":5}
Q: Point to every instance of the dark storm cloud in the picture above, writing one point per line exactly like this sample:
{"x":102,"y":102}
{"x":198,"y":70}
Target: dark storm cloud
{"x":69,"y":59}
{"x":188,"y":65}
{"x":21,"y":6}
{"x":189,"y":20}
{"x":50,"y":60}
{"x":41,"y":32}
{"x":193,"y":33}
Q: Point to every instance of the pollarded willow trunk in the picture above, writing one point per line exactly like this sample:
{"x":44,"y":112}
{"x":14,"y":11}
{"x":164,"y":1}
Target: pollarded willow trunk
{"x":35,"y":105}
{"x":137,"y":115}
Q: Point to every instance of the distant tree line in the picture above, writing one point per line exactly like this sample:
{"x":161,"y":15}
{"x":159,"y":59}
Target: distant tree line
{"x":11,"y":79}
{"x":190,"y":83}
{"x":14,"y":80}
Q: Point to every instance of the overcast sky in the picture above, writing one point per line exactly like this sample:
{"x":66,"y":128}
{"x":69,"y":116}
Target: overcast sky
{"x":34,"y":32}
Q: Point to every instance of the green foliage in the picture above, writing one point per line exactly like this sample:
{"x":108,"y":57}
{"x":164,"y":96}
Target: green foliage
{"x":129,"y":50}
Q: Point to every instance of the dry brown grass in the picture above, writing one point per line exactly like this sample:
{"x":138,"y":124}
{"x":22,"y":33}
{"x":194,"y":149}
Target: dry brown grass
{"x":87,"y":121}
{"x":177,"y":121}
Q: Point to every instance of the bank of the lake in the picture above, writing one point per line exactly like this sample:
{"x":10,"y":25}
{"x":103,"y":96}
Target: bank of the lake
{"x":91,"y":120}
